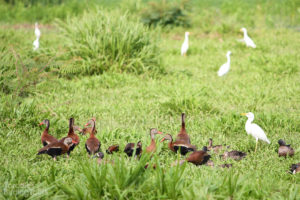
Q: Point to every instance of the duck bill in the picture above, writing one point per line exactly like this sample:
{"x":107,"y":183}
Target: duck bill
{"x":41,"y":123}
{"x":86,"y":124}
{"x":163,"y":139}
{"x":159,"y":132}
{"x":74,"y":142}
{"x":243,"y":114}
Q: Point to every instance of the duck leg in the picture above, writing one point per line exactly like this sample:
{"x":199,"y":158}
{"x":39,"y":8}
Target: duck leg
{"x":54,"y":158}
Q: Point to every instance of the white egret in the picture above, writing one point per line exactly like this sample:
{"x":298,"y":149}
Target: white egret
{"x":36,"y":44}
{"x":247,"y":39}
{"x":224,"y":69}
{"x":254,"y":129}
{"x":37,"y":31}
{"x":185,"y":45}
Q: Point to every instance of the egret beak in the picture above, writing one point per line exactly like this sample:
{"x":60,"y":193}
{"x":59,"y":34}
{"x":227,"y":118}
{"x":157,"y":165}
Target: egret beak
{"x":162,"y":139}
{"x":41,"y":123}
{"x":243,"y":114}
{"x":241,"y":30}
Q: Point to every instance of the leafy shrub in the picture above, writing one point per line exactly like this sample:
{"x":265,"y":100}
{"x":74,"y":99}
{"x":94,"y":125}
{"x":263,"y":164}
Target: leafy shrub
{"x":108,"y":41}
{"x":166,"y":14}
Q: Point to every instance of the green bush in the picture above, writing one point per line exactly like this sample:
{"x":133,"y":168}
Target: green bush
{"x":108,"y":41}
{"x":166,"y":14}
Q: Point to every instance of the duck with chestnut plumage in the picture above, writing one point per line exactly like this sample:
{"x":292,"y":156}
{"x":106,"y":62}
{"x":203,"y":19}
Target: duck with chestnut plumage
{"x":215,"y":148}
{"x":130,"y":147}
{"x":86,"y":130}
{"x":236,"y":155}
{"x":285,"y":149}
{"x":112,"y":148}
{"x":92,"y":144}
{"x":175,"y":146}
{"x":72,"y":135}
{"x":46,"y":138}
{"x":197,"y":157}
{"x":152,"y":147}
{"x":182,"y":135}
{"x":57,"y":148}
{"x":295,"y":168}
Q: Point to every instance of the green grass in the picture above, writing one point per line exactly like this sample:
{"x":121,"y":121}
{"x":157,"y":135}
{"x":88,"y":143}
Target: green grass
{"x":264,"y":80}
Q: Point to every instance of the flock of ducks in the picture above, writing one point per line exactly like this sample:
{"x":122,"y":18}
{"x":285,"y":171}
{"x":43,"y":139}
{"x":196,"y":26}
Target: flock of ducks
{"x":224,"y":69}
{"x":182,"y":144}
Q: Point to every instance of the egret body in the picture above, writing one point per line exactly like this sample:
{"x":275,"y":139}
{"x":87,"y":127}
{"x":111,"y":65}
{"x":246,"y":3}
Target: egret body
{"x":254,"y":129}
{"x":247,"y":39}
{"x":224,"y":69}
{"x":185,"y":45}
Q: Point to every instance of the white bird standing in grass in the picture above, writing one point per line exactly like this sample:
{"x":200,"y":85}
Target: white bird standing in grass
{"x":37,"y":32}
{"x":254,"y":129}
{"x":36,"y":44}
{"x":224,"y":69}
{"x":247,"y":39}
{"x":185,"y":45}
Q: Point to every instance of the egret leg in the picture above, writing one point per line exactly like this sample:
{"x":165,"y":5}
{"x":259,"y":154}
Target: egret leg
{"x":256,"y":144}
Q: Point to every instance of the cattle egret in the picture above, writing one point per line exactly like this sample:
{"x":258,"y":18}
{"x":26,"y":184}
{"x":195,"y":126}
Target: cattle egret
{"x":36,"y":44}
{"x":254,"y":129}
{"x":185,"y":45}
{"x":37,"y":31}
{"x":224,"y":69}
{"x":247,"y":39}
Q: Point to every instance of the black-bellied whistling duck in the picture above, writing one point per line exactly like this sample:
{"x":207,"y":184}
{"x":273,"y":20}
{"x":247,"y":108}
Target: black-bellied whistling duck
{"x":295,"y":168}
{"x":46,"y":137}
{"x":86,"y":130}
{"x":199,"y":157}
{"x":113,"y":148}
{"x":57,"y":148}
{"x":72,"y":135}
{"x":100,"y":157}
{"x":129,"y":149}
{"x":285,"y":149}
{"x":182,"y":135}
{"x":152,"y":147}
{"x":215,"y":148}
{"x":236,"y":155}
{"x":175,"y":146}
{"x":92,"y":144}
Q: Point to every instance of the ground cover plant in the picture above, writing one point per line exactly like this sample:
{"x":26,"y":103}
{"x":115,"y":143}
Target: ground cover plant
{"x":126,"y":105}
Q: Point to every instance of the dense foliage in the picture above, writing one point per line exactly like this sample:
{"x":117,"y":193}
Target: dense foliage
{"x":98,"y":42}
{"x":166,"y":13}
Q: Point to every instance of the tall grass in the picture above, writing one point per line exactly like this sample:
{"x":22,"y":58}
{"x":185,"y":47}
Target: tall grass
{"x":103,"y":41}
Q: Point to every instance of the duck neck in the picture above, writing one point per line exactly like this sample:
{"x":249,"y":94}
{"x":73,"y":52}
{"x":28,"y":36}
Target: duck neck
{"x":47,"y":126}
{"x":182,"y":122}
{"x":210,"y":143}
{"x":71,"y":123}
{"x":93,"y":129}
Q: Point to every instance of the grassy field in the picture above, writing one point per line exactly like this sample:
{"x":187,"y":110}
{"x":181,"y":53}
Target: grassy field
{"x":265,"y":81}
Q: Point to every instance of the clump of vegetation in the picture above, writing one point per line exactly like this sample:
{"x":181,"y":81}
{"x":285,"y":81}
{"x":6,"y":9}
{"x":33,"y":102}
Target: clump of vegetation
{"x":104,"y":41}
{"x":166,"y":14}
